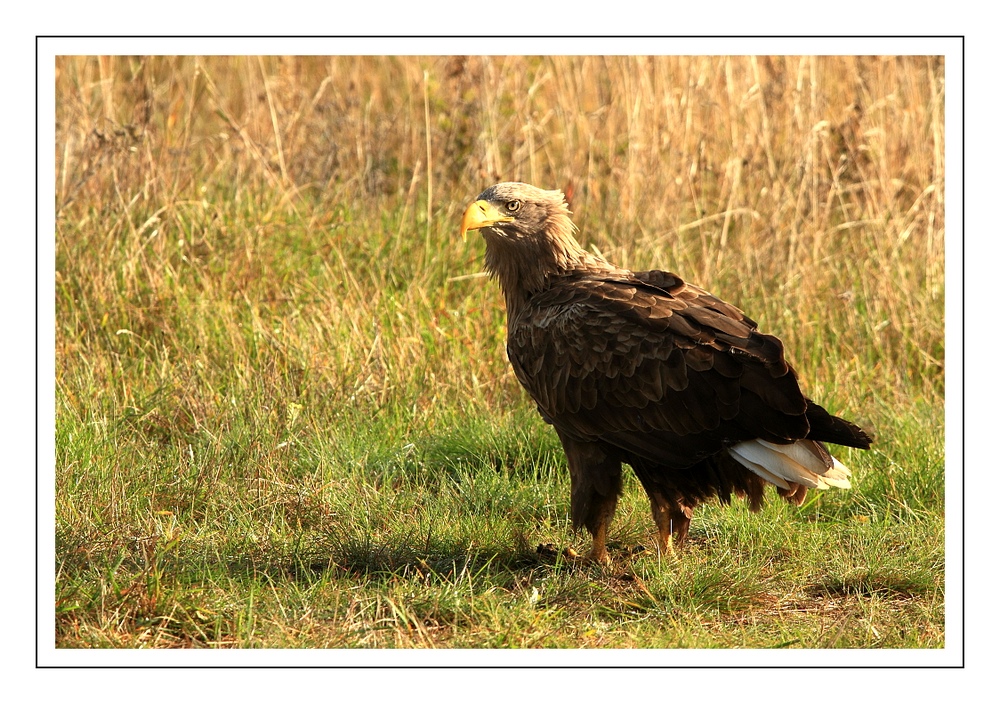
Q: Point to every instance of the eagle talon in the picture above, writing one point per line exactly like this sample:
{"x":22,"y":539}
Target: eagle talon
{"x":602,"y":559}
{"x":571,"y":555}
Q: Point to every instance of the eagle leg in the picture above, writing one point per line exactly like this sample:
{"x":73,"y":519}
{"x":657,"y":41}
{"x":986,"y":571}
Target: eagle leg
{"x":671,"y":510}
{"x":672,"y":522}
{"x":596,"y":482}
{"x":597,"y":524}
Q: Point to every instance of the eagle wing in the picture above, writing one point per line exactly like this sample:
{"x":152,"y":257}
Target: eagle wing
{"x":654,"y":366}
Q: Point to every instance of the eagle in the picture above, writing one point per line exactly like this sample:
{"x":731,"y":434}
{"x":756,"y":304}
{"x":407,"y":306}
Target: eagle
{"x":644,"y":369}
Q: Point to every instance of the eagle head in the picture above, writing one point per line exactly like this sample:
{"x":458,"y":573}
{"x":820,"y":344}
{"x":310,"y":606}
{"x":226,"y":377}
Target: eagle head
{"x":518,"y":211}
{"x":529,"y":239}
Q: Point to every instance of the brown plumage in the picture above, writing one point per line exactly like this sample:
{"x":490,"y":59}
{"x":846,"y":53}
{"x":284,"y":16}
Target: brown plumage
{"x":644,"y":369}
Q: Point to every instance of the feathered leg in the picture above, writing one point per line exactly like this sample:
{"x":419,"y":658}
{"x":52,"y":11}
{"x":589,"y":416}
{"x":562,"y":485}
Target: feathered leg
{"x":596,"y":480}
{"x":672,"y":522}
{"x":670,"y":508}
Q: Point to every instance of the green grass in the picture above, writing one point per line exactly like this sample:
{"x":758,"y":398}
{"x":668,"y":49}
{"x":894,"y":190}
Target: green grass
{"x":284,"y":417}
{"x":369,"y":543}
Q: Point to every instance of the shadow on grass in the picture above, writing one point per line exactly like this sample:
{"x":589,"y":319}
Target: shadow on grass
{"x":888,"y":584}
{"x":427,"y":560}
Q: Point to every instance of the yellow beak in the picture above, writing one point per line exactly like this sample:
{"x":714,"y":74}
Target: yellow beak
{"x":481,"y":214}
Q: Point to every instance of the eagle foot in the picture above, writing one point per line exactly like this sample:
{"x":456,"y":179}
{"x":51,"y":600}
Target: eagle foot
{"x":595,"y":556}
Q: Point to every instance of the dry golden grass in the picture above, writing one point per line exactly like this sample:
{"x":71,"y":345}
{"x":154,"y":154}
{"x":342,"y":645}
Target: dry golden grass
{"x":816,"y":179}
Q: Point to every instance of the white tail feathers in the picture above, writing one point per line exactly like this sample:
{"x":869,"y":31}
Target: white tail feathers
{"x":802,"y":462}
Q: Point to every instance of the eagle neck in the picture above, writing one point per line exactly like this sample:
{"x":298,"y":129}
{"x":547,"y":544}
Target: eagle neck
{"x":525,"y":266}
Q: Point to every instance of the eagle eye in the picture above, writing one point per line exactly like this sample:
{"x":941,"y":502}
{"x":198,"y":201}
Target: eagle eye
{"x":513,"y":206}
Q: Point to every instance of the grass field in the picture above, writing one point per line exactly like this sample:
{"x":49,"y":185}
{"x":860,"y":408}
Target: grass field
{"x":284,"y":415}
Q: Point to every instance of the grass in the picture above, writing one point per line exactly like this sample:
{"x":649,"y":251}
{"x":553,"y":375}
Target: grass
{"x":284,"y":414}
